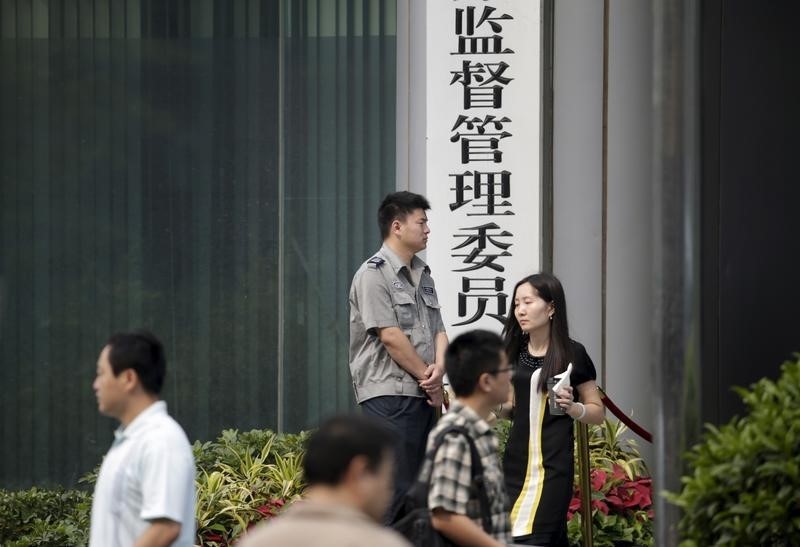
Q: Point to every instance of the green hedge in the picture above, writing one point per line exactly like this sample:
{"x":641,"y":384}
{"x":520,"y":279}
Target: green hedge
{"x":744,"y":484}
{"x":52,"y":518}
{"x":242,"y":478}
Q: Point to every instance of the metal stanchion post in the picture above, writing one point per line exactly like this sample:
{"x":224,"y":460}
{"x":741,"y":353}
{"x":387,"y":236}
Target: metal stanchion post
{"x":585,"y":482}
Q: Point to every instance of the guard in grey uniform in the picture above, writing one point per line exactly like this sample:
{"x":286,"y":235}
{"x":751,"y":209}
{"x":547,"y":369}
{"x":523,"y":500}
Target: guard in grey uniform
{"x":397,"y":336}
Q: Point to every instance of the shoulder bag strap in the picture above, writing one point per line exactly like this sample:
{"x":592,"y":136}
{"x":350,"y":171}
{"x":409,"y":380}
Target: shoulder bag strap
{"x":476,"y":472}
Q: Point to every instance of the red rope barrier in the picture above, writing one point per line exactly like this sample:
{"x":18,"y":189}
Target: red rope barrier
{"x":636,"y":428}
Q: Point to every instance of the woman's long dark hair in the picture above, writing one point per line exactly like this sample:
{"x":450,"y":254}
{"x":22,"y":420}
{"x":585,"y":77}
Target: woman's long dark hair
{"x":558,"y":348}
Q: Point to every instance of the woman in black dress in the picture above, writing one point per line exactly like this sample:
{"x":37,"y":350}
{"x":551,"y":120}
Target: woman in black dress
{"x":538,"y":461}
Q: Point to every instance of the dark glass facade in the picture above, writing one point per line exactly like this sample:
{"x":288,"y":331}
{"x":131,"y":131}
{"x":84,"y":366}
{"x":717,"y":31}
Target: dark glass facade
{"x":208,"y":170}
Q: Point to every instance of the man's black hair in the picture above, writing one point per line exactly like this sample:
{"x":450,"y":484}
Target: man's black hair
{"x":398,"y":205}
{"x":141,"y":351}
{"x":332,"y":447}
{"x":470,"y":355}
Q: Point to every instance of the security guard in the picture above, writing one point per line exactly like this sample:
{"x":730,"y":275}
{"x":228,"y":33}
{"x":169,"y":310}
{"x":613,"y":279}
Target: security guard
{"x":397,"y":336}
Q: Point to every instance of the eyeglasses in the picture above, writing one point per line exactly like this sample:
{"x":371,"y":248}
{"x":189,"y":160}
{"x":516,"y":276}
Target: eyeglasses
{"x":499,"y":370}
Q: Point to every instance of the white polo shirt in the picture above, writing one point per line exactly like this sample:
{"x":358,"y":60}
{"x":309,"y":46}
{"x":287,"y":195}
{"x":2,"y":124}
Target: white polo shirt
{"x":147,"y":474}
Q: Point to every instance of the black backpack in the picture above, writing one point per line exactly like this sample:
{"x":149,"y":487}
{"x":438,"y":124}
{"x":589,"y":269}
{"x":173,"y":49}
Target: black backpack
{"x":413,"y":519}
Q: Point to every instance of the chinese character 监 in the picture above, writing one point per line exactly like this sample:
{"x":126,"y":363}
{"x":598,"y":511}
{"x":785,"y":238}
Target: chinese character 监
{"x":465,"y":30}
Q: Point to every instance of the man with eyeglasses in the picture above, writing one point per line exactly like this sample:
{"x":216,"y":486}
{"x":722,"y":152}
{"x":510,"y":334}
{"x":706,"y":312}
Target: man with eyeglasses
{"x":479,"y":374}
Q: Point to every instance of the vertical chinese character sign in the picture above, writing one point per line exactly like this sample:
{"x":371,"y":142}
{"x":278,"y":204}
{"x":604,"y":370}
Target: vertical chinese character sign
{"x":483,"y":155}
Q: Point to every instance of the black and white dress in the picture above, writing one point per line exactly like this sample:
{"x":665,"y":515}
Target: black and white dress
{"x":538,"y":460}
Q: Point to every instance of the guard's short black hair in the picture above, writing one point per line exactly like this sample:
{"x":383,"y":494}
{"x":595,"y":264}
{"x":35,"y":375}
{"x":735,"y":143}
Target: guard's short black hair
{"x":470,"y":355}
{"x":332,"y":447}
{"x":141,"y":351}
{"x":398,"y":205}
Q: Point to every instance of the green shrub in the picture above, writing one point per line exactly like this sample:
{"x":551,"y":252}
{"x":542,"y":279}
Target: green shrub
{"x":243,"y":478}
{"x":744,"y":486}
{"x":622,"y":512}
{"x":46,"y":518}
{"x":502,"y":428}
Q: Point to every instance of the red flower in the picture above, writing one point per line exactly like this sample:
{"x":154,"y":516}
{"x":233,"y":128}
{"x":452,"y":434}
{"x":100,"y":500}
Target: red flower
{"x":601,"y":506}
{"x":266,"y":510}
{"x":614,"y":499}
{"x":212,"y":536}
{"x":634,"y":494}
{"x":598,"y":479}
{"x":643,"y":487}
{"x":271,"y":508}
{"x":619,"y":473}
{"x":574,"y":504}
{"x":617,"y":494}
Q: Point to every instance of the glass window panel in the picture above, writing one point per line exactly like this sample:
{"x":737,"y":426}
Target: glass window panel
{"x":339,"y":138}
{"x":140,"y":185}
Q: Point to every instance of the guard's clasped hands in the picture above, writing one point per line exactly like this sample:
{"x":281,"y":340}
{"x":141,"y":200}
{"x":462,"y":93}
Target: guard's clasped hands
{"x":432,"y":384}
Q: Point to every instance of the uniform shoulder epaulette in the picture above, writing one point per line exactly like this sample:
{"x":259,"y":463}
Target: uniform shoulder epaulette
{"x":375,"y":262}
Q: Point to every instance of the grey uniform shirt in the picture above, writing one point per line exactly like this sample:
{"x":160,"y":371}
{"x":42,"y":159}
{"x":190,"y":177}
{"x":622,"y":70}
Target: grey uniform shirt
{"x":384,"y":293}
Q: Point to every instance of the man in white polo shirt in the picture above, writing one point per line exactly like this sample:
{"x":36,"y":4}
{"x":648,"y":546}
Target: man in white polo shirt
{"x":145,"y":493}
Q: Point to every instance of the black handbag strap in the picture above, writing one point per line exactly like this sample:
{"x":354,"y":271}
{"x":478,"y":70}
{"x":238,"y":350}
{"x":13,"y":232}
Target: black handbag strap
{"x":476,"y":473}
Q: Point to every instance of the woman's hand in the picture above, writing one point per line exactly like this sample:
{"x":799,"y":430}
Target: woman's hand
{"x":564,"y":398}
{"x":589,"y":410}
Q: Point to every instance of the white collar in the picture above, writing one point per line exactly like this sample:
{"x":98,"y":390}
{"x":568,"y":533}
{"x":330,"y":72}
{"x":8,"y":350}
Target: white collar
{"x":124,"y":432}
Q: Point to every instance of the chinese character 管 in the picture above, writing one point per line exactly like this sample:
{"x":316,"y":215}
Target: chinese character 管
{"x":476,"y":143}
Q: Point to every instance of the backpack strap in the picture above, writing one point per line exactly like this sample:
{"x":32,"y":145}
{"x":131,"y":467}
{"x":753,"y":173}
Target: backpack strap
{"x":476,"y":473}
